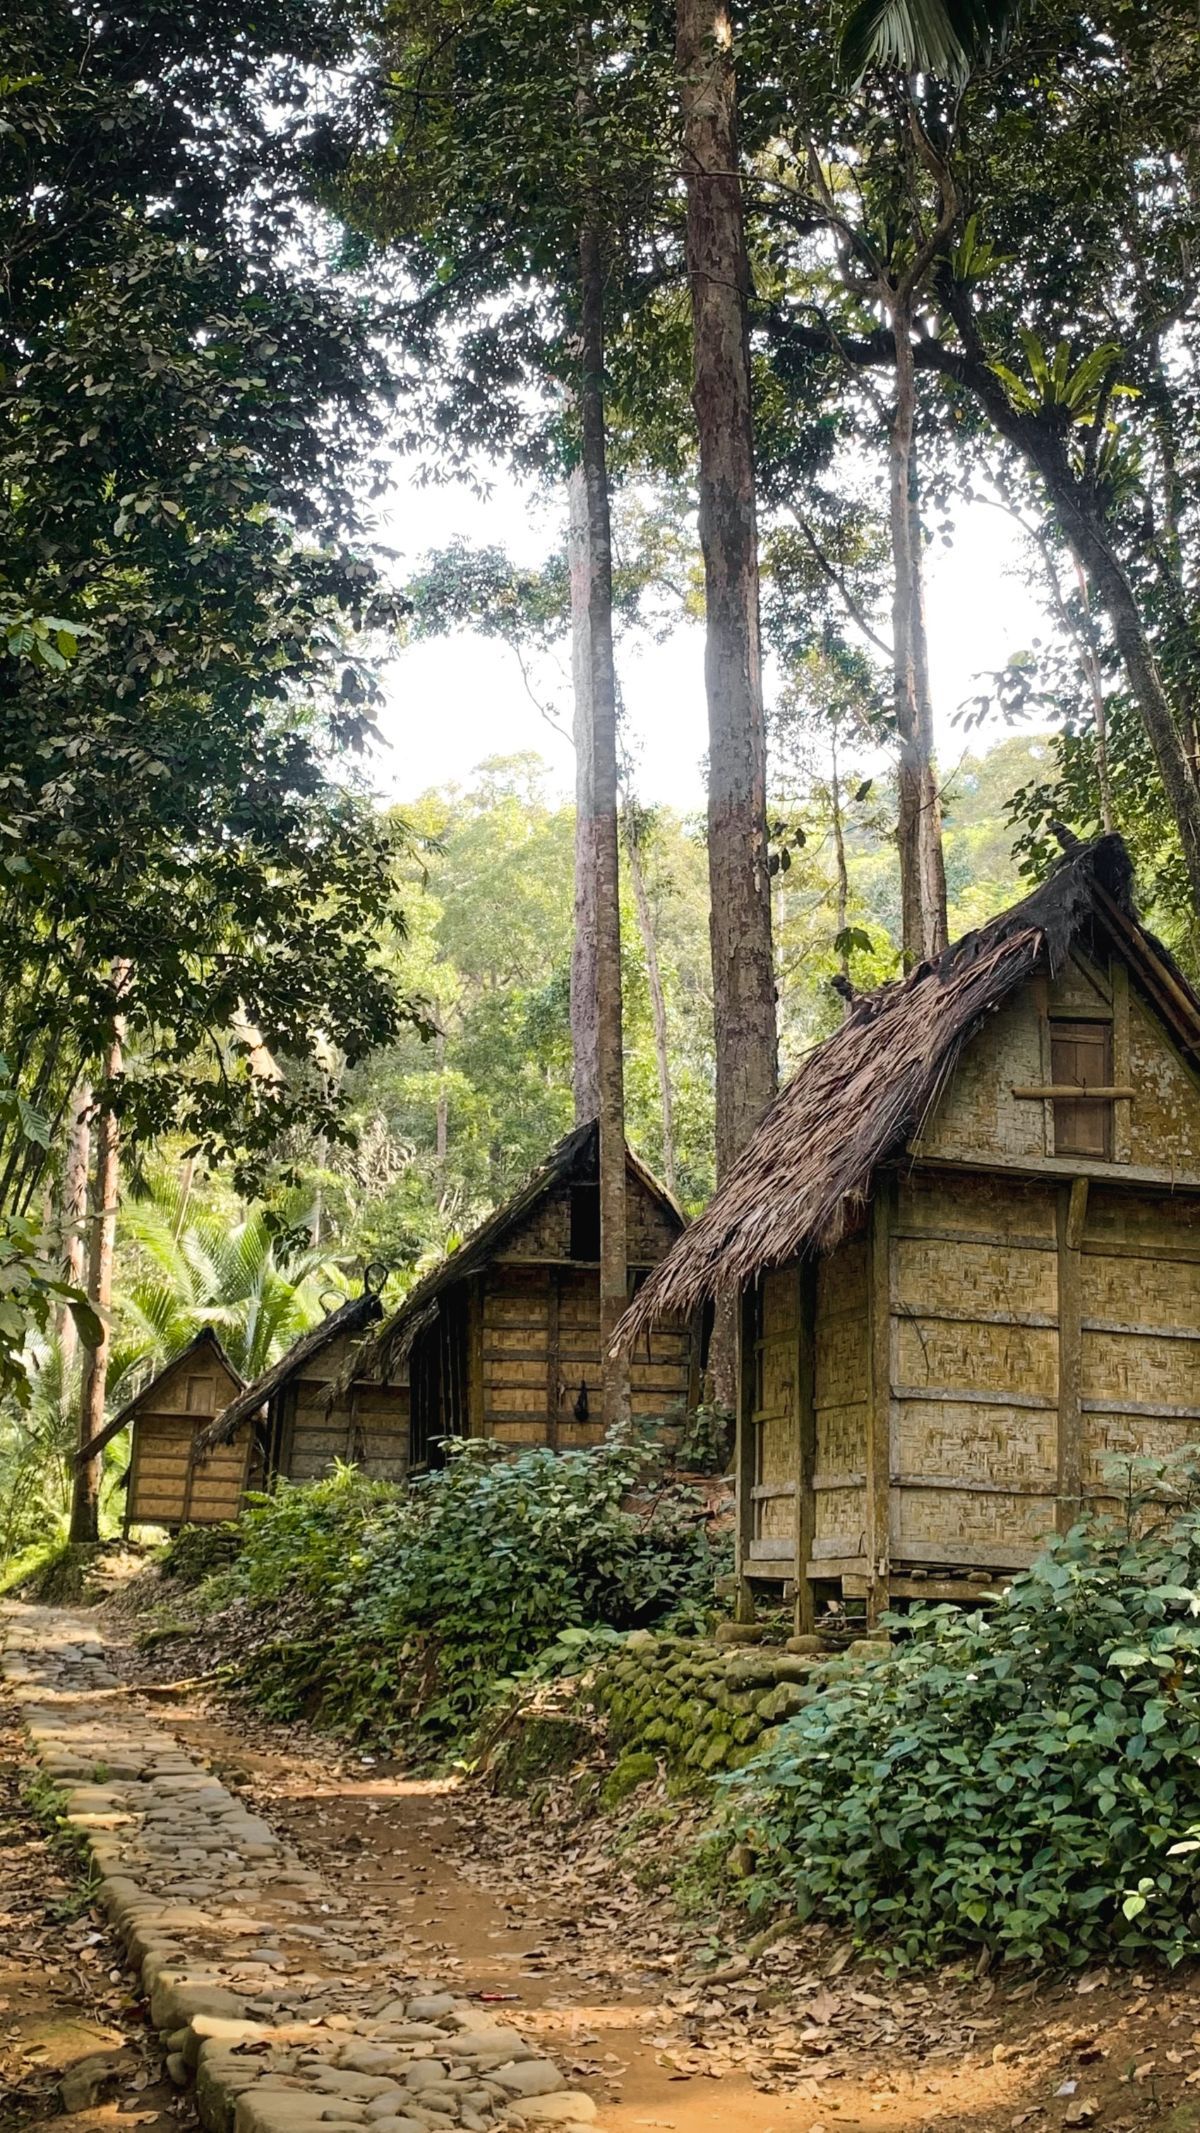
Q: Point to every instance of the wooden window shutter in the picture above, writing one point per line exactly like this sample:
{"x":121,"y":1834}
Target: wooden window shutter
{"x":1081,"y":1057}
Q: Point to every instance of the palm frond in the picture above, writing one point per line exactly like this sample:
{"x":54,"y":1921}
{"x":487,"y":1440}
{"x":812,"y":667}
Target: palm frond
{"x":941,"y":37}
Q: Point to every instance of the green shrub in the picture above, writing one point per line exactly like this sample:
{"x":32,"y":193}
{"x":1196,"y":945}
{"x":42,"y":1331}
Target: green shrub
{"x":420,"y":1600}
{"x":1026,"y":1780}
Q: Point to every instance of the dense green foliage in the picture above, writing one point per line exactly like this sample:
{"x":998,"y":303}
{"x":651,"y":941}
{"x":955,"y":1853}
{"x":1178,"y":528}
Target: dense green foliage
{"x":187,"y":398}
{"x":362,"y":1602}
{"x":1026,"y":1781}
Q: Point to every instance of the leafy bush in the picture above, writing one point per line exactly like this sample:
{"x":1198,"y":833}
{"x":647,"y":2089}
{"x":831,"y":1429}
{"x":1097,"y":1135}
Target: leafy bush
{"x":418,"y":1601}
{"x":1027,"y":1781}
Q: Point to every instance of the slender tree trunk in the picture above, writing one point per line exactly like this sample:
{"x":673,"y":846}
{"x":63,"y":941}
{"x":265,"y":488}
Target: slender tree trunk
{"x":739,"y":880}
{"x":74,"y":1214}
{"x":1089,"y":660}
{"x":658,"y":1004}
{"x":1165,"y":724}
{"x":919,"y":827}
{"x":442,"y":1124}
{"x":85,"y":1498}
{"x":585,"y":1050}
{"x":604,"y":829}
{"x":842,"y":898}
{"x":738,"y":871}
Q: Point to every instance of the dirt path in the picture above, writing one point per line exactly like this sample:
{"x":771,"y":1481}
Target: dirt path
{"x":541,"y":1914}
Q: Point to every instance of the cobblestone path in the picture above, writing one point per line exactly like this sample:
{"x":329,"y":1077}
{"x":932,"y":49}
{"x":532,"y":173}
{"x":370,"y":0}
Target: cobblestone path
{"x":286,"y":2013}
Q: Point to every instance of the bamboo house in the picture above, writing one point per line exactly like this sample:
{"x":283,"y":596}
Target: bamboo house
{"x":966,"y":1238}
{"x":315,"y":1406}
{"x":502,"y":1340}
{"x":168,"y":1483}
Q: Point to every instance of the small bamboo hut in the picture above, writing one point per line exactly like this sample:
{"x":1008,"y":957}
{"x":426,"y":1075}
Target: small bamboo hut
{"x":966,"y":1239}
{"x":315,"y":1406}
{"x":502,"y":1340}
{"x":168,"y":1483}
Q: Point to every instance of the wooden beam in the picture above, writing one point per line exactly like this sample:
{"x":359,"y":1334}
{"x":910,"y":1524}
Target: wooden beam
{"x":879,"y":1406}
{"x":1122,"y":1068}
{"x":1072,"y":1214}
{"x":746,"y":1456}
{"x":1073,"y":1089}
{"x":806,"y":1441}
{"x":553,"y":1368}
{"x":1103,"y":1171}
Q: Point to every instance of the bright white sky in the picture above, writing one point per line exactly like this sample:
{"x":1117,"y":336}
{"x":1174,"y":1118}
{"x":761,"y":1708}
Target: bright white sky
{"x":454,"y":701}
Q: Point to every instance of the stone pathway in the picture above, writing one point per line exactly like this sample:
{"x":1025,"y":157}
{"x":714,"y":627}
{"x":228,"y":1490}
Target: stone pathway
{"x":286,"y":2014}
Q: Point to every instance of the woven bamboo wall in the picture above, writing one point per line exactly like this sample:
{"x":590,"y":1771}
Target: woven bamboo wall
{"x":165,"y":1487}
{"x":840,"y":1388}
{"x":546,"y":1231}
{"x":777,"y":1377}
{"x":1164,"y":1125}
{"x":541,"y":1350}
{"x":974,"y":1369}
{"x":1140,"y":1346}
{"x":368,"y":1427}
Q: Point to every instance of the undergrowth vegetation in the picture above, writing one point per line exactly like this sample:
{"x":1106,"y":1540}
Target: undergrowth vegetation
{"x":1025,"y":1781}
{"x":375,"y":1607}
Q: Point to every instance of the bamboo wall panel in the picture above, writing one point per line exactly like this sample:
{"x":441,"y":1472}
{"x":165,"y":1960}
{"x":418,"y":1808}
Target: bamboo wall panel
{"x":165,"y":1487}
{"x":995,"y":1209}
{"x":516,"y":1323}
{"x":1165,"y":1113}
{"x":935,"y":1275}
{"x":841,"y":1370}
{"x":651,"y":1230}
{"x":978,"y":1114}
{"x":973,"y":1355}
{"x":368,"y":1427}
{"x":545,"y":1233}
{"x":974,"y":1451}
{"x":1155,"y":1295}
{"x":1081,"y":987}
{"x":777,"y":1357}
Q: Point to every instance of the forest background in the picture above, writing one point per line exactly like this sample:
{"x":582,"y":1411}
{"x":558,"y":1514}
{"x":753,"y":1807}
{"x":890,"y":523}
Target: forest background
{"x":259,"y":1030}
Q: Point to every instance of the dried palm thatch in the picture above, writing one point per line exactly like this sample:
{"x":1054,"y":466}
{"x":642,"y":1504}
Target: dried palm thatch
{"x":805,"y":1177}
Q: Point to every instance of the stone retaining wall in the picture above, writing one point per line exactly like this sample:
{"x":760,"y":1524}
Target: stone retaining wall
{"x":279,"y":2010}
{"x":702,"y":1707}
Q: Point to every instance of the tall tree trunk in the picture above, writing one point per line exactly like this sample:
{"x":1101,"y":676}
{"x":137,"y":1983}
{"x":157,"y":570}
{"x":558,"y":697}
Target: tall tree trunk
{"x":585,"y":1049}
{"x":919,"y":827}
{"x":443,"y":1116}
{"x":603,"y":823}
{"x":658,"y":1004}
{"x":719,"y":276}
{"x":76,"y":1164}
{"x":842,"y":894}
{"x":85,"y":1498}
{"x":738,"y":870}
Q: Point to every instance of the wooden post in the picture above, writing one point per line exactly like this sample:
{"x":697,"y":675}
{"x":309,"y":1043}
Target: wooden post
{"x":1122,"y":1077}
{"x":85,"y":1496}
{"x":553,"y":1371}
{"x":475,"y":1305}
{"x":806,"y":1441}
{"x":1072,"y":1214}
{"x":747,"y":1449}
{"x":879,"y":1411}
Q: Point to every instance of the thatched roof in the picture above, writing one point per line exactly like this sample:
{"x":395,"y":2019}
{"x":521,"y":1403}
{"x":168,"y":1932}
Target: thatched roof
{"x":574,"y":1160}
{"x":804,"y":1179}
{"x":353,"y":1316}
{"x":206,"y":1338}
